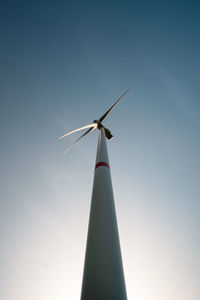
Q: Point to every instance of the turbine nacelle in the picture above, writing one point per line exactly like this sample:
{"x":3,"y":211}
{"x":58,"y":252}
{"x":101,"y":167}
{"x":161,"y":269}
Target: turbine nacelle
{"x":108,"y":134}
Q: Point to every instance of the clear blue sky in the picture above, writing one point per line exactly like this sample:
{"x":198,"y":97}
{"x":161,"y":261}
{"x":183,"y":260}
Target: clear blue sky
{"x":62,"y":65}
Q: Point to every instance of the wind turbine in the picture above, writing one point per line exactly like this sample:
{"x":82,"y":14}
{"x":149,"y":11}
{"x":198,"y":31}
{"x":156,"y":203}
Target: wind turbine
{"x":103,"y":276}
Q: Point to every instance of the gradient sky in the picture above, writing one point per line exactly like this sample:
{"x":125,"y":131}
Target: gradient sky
{"x":62,"y":65}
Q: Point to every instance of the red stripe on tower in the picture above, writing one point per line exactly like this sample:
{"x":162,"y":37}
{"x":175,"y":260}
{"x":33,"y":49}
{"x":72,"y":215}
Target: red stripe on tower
{"x":102,"y":163}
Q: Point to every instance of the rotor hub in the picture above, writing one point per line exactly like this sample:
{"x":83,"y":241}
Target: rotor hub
{"x":99,"y":125}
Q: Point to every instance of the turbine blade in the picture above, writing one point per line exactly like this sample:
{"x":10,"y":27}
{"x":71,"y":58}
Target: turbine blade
{"x":111,"y":108}
{"x":81,"y":128}
{"x":89,"y":130}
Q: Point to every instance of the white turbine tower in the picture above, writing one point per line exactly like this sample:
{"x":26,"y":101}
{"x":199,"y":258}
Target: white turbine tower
{"x":103,"y":276}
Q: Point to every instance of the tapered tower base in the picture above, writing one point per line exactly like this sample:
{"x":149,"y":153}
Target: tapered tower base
{"x":103,"y":277}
